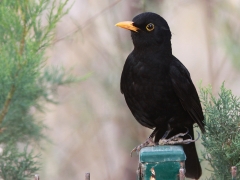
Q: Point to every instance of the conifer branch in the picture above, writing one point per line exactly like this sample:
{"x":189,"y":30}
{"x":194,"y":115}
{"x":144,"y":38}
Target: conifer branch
{"x":13,"y":87}
{"x":222,"y":137}
{"x":7,"y":103}
{"x":25,"y":83}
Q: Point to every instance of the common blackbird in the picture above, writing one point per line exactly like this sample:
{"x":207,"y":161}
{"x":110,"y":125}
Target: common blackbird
{"x":158,"y":88}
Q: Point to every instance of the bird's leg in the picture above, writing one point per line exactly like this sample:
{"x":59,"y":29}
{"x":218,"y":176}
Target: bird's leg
{"x":167,"y":132}
{"x":163,"y":139}
{"x":147,"y":143}
{"x":177,"y":139}
{"x":172,"y":140}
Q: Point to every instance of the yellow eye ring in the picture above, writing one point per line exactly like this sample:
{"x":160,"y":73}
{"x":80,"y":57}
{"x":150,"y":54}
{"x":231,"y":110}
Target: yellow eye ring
{"x":150,"y":27}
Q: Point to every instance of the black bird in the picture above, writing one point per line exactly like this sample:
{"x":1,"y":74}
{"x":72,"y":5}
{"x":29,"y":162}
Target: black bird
{"x":158,"y":88}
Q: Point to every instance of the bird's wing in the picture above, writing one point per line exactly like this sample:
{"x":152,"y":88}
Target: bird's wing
{"x":126,"y":68}
{"x":186,"y":91}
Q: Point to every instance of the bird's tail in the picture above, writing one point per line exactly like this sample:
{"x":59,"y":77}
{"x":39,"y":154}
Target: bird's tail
{"x":192,"y":164}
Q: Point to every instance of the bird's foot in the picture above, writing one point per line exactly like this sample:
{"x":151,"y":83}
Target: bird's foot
{"x":177,"y":139}
{"x":147,"y":143}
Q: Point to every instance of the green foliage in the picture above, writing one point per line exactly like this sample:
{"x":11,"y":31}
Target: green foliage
{"x":17,"y":165}
{"x":222,"y":137}
{"x":24,"y":82}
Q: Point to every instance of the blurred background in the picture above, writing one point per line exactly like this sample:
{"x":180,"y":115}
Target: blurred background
{"x":92,"y":129}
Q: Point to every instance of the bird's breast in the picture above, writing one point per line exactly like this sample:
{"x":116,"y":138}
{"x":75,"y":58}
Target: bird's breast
{"x":149,"y":92}
{"x":148,"y":88}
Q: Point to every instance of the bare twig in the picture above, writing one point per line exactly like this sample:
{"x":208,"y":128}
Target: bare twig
{"x":36,"y":177}
{"x":87,"y":176}
{"x":234,"y":172}
{"x":209,"y":17}
{"x":86,"y":23}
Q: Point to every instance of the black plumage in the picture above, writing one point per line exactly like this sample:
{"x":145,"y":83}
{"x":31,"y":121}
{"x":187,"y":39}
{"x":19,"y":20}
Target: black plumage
{"x":158,"y":88}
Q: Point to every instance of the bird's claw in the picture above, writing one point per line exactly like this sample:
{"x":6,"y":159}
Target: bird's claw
{"x":147,"y":143}
{"x":177,"y":140}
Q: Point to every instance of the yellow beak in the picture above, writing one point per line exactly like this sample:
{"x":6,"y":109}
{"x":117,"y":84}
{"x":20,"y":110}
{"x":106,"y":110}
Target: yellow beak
{"x":127,"y":25}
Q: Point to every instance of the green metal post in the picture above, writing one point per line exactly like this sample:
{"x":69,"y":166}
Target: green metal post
{"x":161,"y":163}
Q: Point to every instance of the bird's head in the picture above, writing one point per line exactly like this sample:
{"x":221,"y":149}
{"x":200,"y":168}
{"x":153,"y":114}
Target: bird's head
{"x":147,"y":29}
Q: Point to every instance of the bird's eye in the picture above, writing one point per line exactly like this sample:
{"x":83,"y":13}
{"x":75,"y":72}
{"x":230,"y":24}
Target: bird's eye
{"x":150,"y":27}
